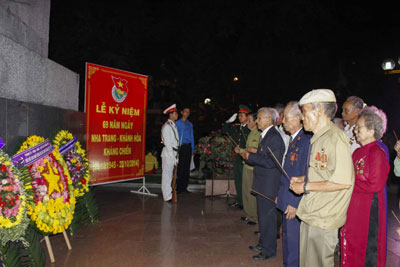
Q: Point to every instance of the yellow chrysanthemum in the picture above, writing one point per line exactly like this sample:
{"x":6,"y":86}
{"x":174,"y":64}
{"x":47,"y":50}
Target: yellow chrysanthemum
{"x":48,"y":214}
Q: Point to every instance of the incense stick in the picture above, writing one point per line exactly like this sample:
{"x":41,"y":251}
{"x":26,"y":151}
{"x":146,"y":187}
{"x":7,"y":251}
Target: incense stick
{"x":395,"y":135}
{"x":394,"y":214}
{"x":232,"y":139}
{"x":277,"y":161}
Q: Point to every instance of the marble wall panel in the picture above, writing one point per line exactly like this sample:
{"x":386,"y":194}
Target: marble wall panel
{"x":21,"y":119}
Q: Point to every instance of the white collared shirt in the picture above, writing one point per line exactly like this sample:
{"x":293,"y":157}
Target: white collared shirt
{"x":265,"y":132}
{"x":295,"y":134}
{"x":349,"y":131}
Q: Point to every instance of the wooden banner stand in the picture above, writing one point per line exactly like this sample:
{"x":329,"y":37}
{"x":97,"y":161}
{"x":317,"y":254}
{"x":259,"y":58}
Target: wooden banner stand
{"x":50,"y":249}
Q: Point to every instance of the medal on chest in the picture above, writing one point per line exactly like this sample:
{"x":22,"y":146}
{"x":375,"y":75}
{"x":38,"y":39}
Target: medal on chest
{"x":293,"y":157}
{"x":321,"y":160}
{"x":352,"y":140}
{"x":360,"y":166}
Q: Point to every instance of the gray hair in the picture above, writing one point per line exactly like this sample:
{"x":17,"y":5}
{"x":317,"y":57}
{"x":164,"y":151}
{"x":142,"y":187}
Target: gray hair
{"x":270,"y":112}
{"x":294,"y":108}
{"x":375,"y":119}
{"x":329,"y":108}
{"x":357,"y":102}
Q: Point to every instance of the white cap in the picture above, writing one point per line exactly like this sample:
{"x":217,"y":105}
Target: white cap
{"x":170,"y":109}
{"x":318,"y":95}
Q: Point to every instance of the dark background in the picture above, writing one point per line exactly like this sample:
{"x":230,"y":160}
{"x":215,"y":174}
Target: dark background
{"x":191,"y":50}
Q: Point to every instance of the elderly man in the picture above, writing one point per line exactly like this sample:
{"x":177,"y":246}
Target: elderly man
{"x":295,"y":164}
{"x":350,"y":111}
{"x":266,"y":180}
{"x":328,"y":185}
{"x":279,"y":126}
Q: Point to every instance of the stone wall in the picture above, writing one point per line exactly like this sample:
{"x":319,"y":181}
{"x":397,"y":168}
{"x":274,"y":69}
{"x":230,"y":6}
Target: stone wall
{"x":20,"y":119}
{"x":26,"y":22}
{"x":26,"y":74}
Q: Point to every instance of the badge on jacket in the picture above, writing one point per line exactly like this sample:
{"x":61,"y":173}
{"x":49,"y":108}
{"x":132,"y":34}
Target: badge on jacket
{"x":360,"y":165}
{"x":321,"y":160}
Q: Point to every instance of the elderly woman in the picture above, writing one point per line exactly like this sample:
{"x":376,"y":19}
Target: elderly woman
{"x":363,"y":237}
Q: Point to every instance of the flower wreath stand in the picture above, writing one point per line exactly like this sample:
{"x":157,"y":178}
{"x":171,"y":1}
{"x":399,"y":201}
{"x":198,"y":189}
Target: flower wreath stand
{"x":14,"y":220}
{"x":86,"y":210}
{"x":52,"y":210}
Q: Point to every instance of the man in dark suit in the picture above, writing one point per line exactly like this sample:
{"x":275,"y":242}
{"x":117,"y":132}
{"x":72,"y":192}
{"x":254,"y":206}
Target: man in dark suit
{"x":295,"y":165}
{"x":266,"y":181}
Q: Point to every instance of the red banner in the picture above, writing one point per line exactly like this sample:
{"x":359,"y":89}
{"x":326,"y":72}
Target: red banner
{"x":115,"y":108}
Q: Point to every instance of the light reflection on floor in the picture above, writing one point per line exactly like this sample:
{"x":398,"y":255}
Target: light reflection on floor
{"x":139,"y":230}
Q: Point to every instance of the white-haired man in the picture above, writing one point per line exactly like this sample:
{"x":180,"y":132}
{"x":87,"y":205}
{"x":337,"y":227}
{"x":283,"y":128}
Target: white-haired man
{"x":266,"y":180}
{"x":295,"y":164}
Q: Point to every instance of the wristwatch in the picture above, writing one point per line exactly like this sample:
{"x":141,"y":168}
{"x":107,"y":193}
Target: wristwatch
{"x":304,"y":188}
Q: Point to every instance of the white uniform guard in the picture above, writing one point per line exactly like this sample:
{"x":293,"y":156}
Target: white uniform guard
{"x":169,"y":136}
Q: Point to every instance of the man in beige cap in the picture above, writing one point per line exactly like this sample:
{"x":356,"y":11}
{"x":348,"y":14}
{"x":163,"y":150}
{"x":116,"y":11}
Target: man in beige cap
{"x":329,"y":182}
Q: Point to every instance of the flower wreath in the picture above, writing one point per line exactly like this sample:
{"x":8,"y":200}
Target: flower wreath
{"x":54,"y":200}
{"x":13,"y":201}
{"x":78,"y":164}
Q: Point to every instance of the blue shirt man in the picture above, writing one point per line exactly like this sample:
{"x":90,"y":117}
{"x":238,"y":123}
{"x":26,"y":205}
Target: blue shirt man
{"x":185,"y":132}
{"x":186,"y":149}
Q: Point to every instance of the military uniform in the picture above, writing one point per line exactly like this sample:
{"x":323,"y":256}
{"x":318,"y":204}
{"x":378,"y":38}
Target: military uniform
{"x":169,"y":136}
{"x":323,"y":213}
{"x":250,"y":201}
{"x":239,"y":134}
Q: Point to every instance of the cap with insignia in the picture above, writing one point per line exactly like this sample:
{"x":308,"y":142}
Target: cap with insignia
{"x":318,"y":95}
{"x":170,"y":109}
{"x":244,"y":109}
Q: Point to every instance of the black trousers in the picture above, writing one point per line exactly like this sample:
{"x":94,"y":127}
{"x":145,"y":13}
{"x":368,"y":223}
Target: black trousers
{"x":185,"y":156}
{"x":266,"y":212}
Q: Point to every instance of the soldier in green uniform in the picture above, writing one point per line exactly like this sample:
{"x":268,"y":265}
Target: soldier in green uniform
{"x":239,"y":133}
{"x":249,"y":200}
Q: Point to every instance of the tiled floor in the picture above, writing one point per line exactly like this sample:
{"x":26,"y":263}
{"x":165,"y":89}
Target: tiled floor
{"x":145,"y":231}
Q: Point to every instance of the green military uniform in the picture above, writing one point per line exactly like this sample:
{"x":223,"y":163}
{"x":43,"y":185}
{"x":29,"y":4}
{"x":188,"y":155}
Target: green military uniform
{"x":250,"y":201}
{"x":239,"y":134}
